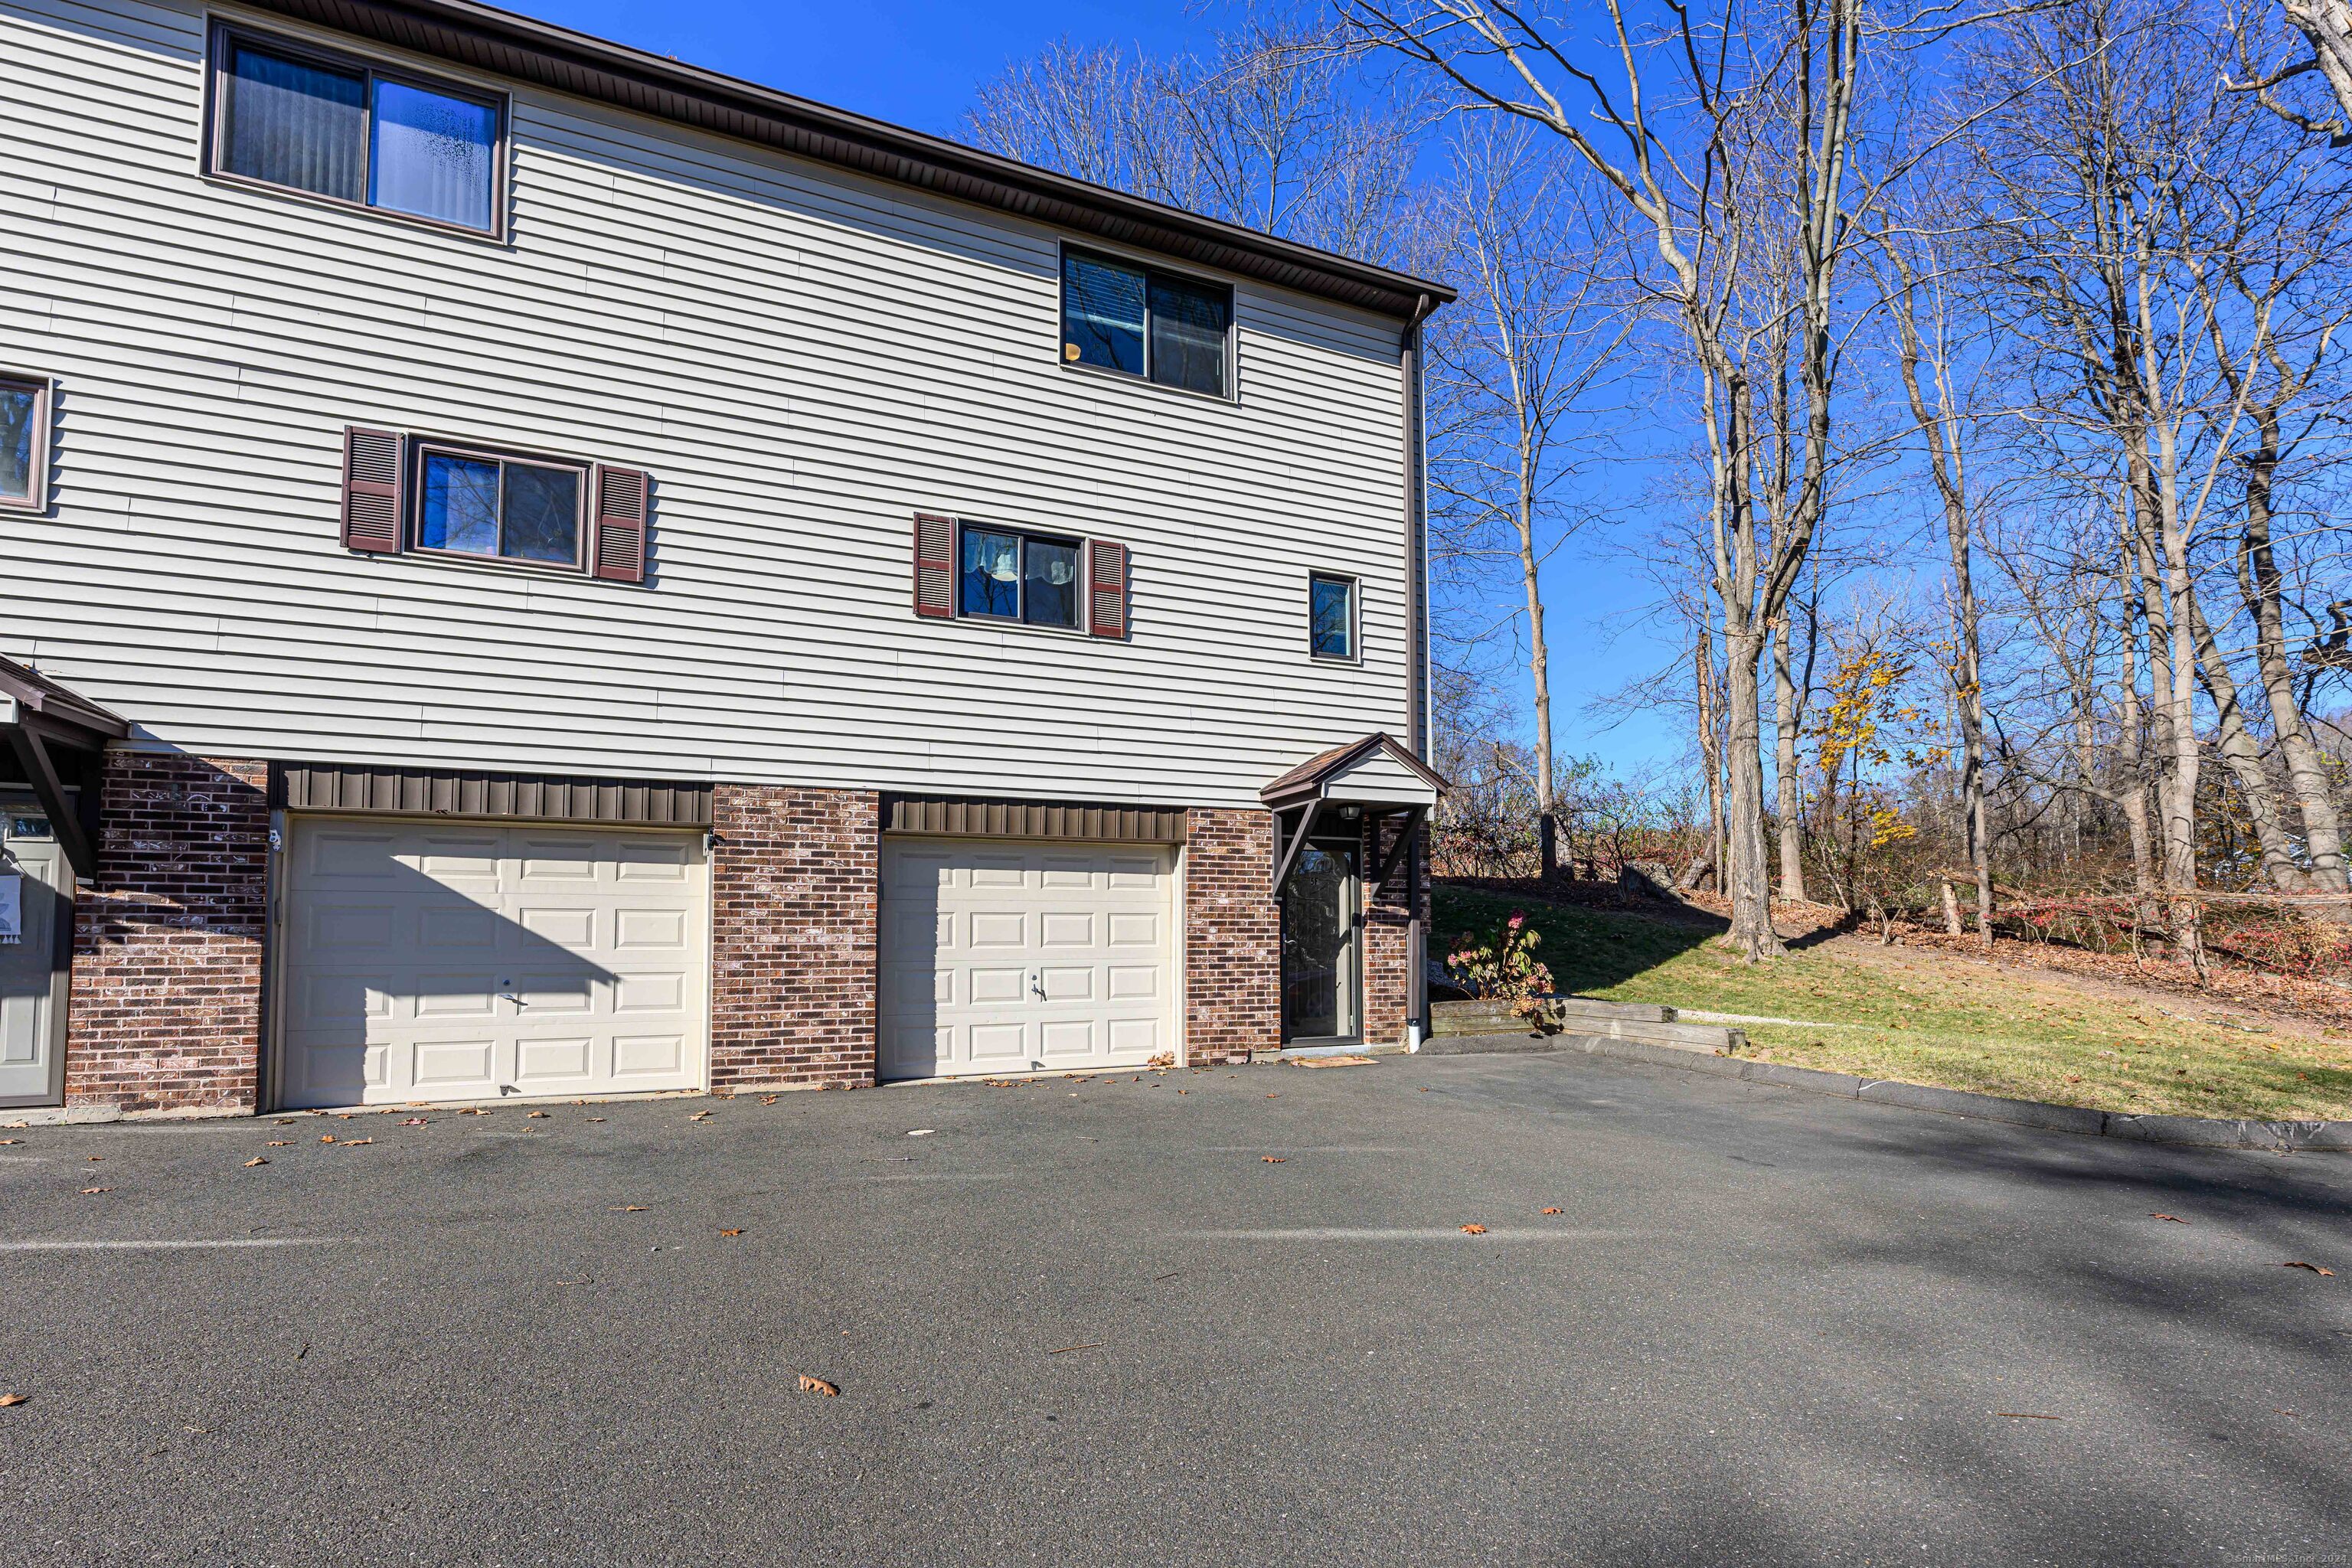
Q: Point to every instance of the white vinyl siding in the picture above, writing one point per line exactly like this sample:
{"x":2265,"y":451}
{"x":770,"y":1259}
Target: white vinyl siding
{"x":802,"y":359}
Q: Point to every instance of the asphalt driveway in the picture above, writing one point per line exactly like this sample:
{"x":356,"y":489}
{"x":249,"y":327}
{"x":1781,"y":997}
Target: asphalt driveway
{"x":1090,"y":1322}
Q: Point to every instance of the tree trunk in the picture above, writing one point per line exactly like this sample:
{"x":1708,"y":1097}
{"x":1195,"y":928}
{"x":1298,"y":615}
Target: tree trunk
{"x":1951,"y":909}
{"x":2258,"y":578}
{"x":1710,"y":755}
{"x":1538,"y":663}
{"x":1748,"y":873}
{"x":1787,"y":716}
{"x":2243,"y":755}
{"x":2329,"y":25}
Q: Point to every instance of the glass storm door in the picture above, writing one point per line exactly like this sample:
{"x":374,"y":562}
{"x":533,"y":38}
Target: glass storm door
{"x":1318,"y":944}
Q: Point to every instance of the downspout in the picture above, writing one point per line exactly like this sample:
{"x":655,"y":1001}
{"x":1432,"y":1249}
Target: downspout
{"x":1416,"y":576}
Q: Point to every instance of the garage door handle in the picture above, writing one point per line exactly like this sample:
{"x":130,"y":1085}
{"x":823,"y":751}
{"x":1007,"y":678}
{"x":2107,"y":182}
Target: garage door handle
{"x":510,"y":997}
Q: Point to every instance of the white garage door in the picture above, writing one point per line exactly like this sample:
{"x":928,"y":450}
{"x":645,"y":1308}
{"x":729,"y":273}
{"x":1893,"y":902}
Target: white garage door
{"x":465,"y":960}
{"x":1007,"y":957}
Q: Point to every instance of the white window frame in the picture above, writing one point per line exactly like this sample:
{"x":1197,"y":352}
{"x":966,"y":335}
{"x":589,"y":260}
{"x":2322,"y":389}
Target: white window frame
{"x":1355,"y":584}
{"x":37,"y":479}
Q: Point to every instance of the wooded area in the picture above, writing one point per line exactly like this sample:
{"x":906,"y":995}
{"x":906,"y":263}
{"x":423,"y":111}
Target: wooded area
{"x":1967,"y":382}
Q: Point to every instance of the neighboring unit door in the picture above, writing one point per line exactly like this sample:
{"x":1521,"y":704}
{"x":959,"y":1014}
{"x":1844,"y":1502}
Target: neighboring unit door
{"x":1320,"y":970}
{"x":1001,"y":956}
{"x":36,"y":922}
{"x":470,"y":961}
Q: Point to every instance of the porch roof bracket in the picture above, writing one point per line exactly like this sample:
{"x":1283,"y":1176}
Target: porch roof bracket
{"x":31,"y":746}
{"x":1287,"y":853}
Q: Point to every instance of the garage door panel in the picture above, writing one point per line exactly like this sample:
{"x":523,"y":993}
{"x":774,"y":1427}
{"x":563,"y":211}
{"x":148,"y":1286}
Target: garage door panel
{"x":997,"y":928}
{"x":996,"y":984}
{"x":1137,"y":929}
{"x":533,"y":963}
{"x":661,"y":862}
{"x":999,"y":1043}
{"x":999,"y":957}
{"x":352,"y":927}
{"x":445,"y":1064}
{"x":651,"y":930}
{"x":637,"y":1057}
{"x":1133,"y":982}
{"x":541,"y":1060}
{"x":567,"y":927}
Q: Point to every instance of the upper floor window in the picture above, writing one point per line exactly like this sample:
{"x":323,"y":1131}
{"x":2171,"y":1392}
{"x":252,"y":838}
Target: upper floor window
{"x":404,"y":493}
{"x":24,"y":442}
{"x":1175,"y":331}
{"x":1021,"y":577}
{"x":1331,"y":616}
{"x":302,"y":120}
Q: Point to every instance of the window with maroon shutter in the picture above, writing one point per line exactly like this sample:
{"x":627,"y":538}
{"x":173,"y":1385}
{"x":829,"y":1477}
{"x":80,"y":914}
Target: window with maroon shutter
{"x":621,"y":506}
{"x":934,"y":564}
{"x":372,"y":464}
{"x":1106,"y":588}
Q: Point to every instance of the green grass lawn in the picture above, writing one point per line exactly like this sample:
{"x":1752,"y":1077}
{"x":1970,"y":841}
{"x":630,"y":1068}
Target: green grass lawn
{"x":1944,"y":1022}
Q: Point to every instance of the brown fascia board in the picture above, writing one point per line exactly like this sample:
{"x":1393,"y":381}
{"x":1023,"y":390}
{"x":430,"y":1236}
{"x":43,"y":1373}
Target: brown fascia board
{"x":505,"y":43}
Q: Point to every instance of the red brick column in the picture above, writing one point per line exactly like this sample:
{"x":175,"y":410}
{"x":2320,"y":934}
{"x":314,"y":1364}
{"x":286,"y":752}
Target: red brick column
{"x":166,"y":998}
{"x":796,"y":886}
{"x":1388,"y":923}
{"x":1232,"y":936}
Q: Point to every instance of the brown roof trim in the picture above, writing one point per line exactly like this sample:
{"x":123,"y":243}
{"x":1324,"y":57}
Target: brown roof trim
{"x":1306,"y":779}
{"x":492,"y":796}
{"x":36,"y":693}
{"x":937,"y":817}
{"x":505,"y":43}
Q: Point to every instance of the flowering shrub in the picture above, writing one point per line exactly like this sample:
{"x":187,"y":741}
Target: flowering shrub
{"x":1504,"y":966}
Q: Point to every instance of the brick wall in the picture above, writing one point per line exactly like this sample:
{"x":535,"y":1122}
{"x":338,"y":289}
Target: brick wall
{"x":1388,"y":916}
{"x":1232,"y":936}
{"x":167,"y":994}
{"x":795,"y":887}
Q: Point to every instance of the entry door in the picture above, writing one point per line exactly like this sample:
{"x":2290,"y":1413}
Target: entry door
{"x":35,"y":906}
{"x":1319,"y":968}
{"x":1000,"y":956}
{"x":469,"y":961}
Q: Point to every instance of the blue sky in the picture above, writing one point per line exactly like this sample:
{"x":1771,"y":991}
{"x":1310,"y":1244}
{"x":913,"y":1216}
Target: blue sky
{"x":918,"y":62}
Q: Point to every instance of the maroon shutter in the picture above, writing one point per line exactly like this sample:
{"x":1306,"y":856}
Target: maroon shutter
{"x":934,"y":564}
{"x":1106,"y":588}
{"x":372,"y":466}
{"x":621,"y":495}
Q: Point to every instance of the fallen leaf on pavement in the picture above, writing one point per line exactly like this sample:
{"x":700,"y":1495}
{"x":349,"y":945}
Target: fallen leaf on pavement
{"x":257,"y":1159}
{"x":1067,"y":1349}
{"x":1330,"y":1061}
{"x":538,"y":1113}
{"x":631,"y":1208}
{"x":279,"y":1142}
{"x":817,"y":1385}
{"x":13,"y":1398}
{"x":595,"y":1118}
{"x":2315,"y":1268}
{"x":1551,"y":1211}
{"x":699,"y":1116}
{"x":731,"y":1233}
{"x":922,"y":1132}
{"x":2173,"y":1217}
{"x":1276,"y":1159}
{"x":7,"y":1140}
{"x":2026,"y":1416}
{"x":1473,"y":1230}
{"x":85,"y":1191}
{"x":413,"y":1121}
{"x":355,"y":1142}
{"x":326,"y":1137}
{"x":93,"y":1156}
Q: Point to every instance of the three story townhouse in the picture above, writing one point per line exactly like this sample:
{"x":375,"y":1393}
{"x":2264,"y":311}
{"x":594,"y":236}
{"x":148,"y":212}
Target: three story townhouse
{"x":531,"y":569}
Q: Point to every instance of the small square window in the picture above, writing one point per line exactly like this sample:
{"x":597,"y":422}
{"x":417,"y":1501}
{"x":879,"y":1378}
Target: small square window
{"x":24,"y":442}
{"x":503,"y":509}
{"x":1173,"y":330}
{"x":344,"y":131}
{"x":1020,"y":577}
{"x":1331,"y":616}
